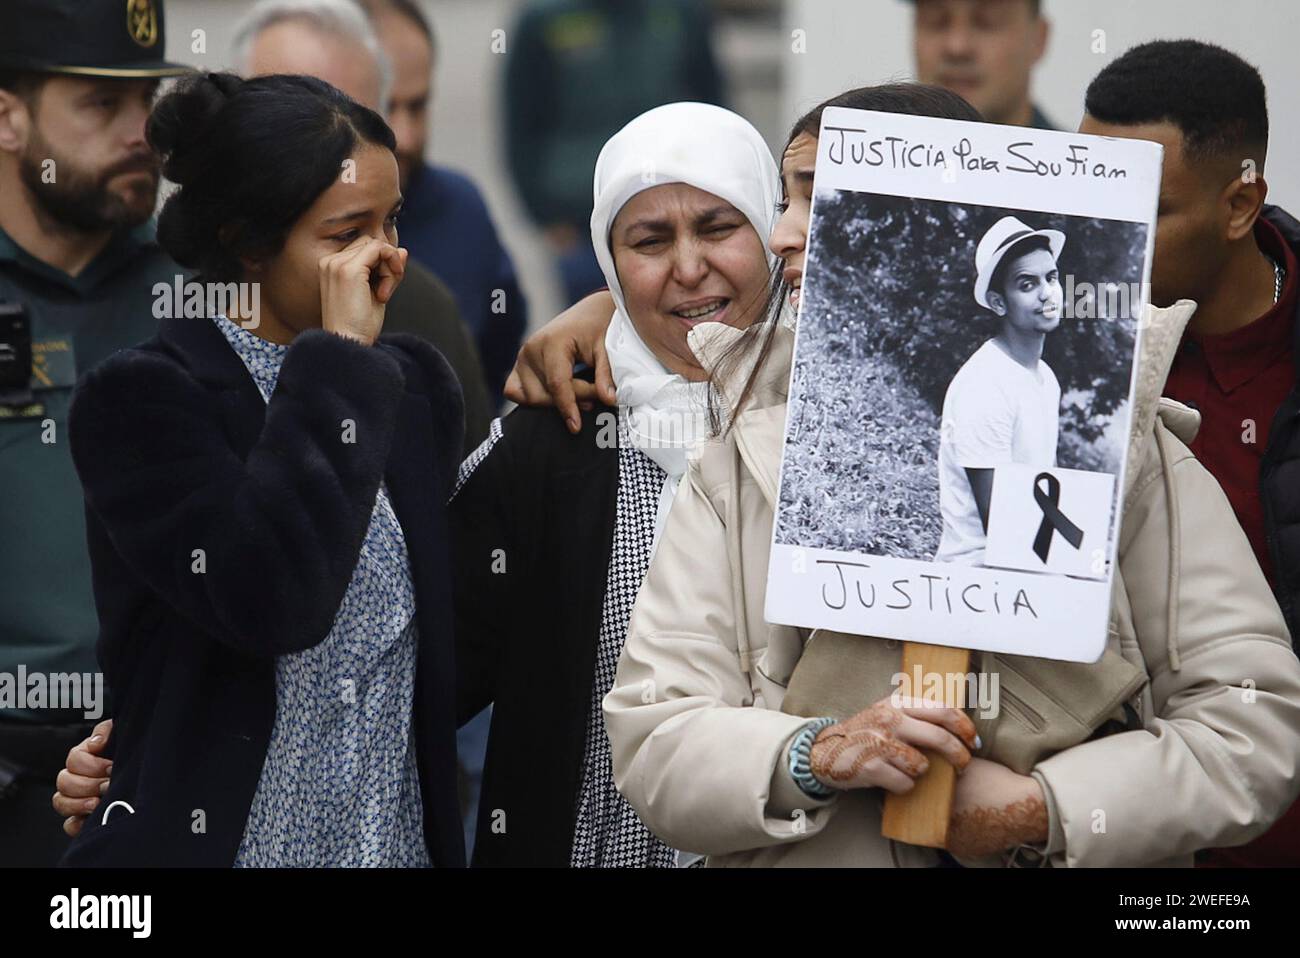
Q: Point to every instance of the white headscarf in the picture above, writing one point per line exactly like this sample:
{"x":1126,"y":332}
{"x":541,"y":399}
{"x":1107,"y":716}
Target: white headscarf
{"x":711,"y":149}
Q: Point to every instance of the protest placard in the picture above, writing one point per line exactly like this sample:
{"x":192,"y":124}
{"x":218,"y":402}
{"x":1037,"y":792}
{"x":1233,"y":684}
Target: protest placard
{"x":962,"y":389}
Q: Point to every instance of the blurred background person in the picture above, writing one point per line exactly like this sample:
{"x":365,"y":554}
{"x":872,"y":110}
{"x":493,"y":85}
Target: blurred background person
{"x":78,"y":256}
{"x":984,"y":51}
{"x":445,"y":222}
{"x":576,"y":72}
{"x":333,"y":41}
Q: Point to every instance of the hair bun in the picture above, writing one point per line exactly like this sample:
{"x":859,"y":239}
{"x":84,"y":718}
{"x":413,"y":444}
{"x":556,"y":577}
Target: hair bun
{"x":250,"y":157}
{"x":180,"y":121}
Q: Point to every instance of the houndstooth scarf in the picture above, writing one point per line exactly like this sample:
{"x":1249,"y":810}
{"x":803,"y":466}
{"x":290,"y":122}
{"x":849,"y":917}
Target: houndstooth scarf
{"x":608,"y":833}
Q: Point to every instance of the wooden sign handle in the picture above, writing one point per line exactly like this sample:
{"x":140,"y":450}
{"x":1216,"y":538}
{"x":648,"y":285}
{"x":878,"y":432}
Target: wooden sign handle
{"x":920,"y":817}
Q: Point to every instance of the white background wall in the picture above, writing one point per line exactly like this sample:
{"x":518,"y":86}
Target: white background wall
{"x":855,"y":42}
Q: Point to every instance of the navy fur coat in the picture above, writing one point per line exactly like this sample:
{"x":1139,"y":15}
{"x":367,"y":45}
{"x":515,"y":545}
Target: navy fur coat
{"x":177,"y":452}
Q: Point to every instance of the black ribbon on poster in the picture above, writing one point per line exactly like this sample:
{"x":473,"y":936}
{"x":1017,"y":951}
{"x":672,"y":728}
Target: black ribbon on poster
{"x":1054,"y":520}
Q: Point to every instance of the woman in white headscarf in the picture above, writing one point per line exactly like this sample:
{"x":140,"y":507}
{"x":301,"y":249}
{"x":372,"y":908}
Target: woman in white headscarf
{"x":555,"y":532}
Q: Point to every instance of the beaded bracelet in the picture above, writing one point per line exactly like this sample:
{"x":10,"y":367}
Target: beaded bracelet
{"x":801,"y":759}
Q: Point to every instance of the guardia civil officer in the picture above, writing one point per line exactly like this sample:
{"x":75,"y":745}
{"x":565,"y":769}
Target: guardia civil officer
{"x":78,"y":263}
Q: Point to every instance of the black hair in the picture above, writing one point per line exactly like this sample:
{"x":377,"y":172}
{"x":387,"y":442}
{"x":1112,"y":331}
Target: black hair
{"x":998,"y":278}
{"x":249,"y":156}
{"x":914,"y":99}
{"x":1212,"y":95}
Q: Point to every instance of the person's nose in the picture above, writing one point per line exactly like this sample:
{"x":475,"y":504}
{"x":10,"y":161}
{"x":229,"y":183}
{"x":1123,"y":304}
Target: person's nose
{"x":958,"y":42}
{"x":134,"y":118}
{"x":131,"y":117}
{"x":690,"y":264}
{"x":786,"y":240}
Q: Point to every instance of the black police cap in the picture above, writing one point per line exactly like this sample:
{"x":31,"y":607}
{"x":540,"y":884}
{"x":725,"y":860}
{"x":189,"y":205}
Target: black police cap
{"x":107,"y":38}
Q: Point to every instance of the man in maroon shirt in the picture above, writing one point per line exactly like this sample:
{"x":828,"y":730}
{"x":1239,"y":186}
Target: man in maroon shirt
{"x":1217,"y":243}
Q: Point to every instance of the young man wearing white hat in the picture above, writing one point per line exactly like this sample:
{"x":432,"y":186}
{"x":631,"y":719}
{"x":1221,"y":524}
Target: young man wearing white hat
{"x":1002,"y":406}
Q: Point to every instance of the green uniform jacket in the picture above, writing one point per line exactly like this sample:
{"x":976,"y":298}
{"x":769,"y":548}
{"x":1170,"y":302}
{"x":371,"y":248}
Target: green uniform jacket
{"x":47,"y":610}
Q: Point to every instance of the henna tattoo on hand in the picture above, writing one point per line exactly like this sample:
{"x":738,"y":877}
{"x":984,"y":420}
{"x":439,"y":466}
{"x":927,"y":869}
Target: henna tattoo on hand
{"x":976,"y":832}
{"x":866,"y":736}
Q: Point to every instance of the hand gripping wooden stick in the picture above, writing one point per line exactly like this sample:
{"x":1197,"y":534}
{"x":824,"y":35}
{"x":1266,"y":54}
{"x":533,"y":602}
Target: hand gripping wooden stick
{"x":920,"y":817}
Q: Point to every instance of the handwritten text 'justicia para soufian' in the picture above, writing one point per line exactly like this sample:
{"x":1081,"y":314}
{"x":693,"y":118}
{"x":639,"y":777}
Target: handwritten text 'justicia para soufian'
{"x":854,"y":146}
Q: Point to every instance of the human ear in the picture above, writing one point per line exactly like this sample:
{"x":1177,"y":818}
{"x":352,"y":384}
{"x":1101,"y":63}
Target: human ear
{"x":15,"y":122}
{"x":1242,"y":201}
{"x":997,"y":302}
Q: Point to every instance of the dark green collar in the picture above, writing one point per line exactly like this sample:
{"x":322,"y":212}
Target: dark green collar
{"x":122,"y":248}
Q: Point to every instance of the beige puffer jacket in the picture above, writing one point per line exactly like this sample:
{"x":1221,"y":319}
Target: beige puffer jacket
{"x":700,"y":741}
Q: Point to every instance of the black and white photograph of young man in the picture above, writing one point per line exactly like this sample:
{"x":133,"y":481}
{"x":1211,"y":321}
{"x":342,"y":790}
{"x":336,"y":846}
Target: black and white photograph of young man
{"x":939,"y":343}
{"x":1003,"y":406}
